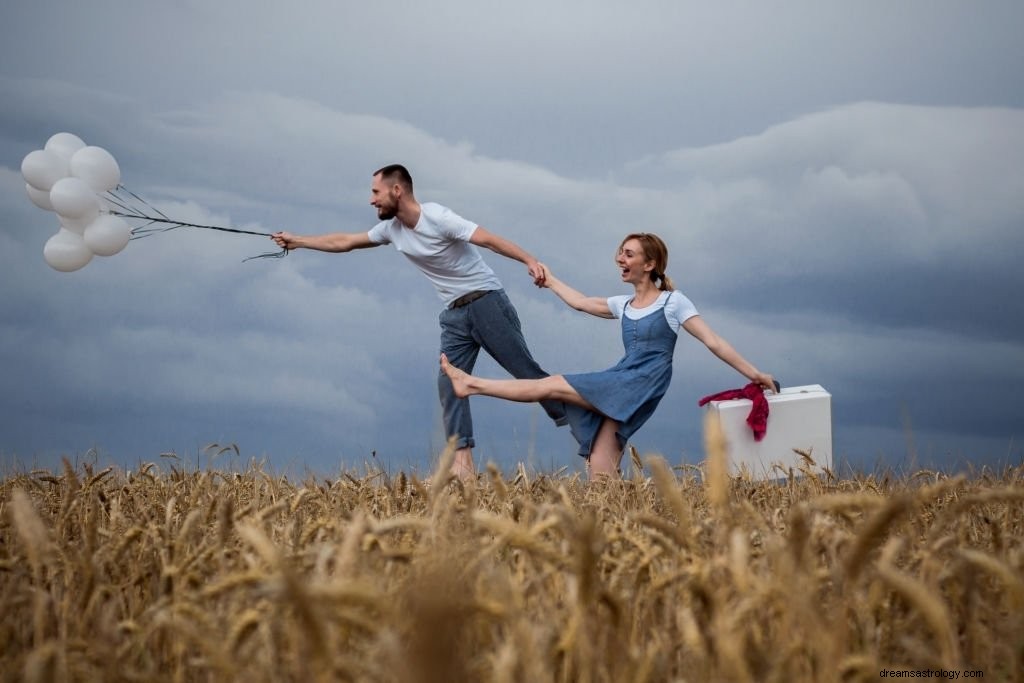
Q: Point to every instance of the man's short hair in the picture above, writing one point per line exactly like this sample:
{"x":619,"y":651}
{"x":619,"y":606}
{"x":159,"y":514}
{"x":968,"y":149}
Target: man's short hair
{"x":395,"y":173}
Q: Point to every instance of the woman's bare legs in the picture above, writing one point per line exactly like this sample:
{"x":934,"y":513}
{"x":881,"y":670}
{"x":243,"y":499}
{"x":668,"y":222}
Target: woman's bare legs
{"x":522,"y":390}
{"x":605,"y":453}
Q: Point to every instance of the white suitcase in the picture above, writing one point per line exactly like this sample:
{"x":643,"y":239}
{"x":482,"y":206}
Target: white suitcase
{"x":799,"y":418}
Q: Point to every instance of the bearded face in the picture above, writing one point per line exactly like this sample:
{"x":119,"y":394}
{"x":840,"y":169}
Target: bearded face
{"x":384,"y":198}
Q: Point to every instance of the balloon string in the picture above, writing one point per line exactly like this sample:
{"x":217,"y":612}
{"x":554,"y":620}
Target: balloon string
{"x":182,"y":224}
{"x":269,"y":254}
{"x":132,"y":211}
{"x":122,"y":187}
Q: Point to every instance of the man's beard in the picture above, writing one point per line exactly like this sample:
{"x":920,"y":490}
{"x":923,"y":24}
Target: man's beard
{"x":386,"y":214}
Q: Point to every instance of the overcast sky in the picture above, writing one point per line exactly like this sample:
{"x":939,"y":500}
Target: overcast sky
{"x":841,"y":187}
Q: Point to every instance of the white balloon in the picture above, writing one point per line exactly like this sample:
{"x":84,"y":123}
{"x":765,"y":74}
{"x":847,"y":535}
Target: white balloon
{"x":64,"y":145}
{"x":97,"y":167}
{"x":107,"y":235}
{"x":40,"y":198}
{"x":66,"y":251}
{"x":78,"y":225}
{"x":74,"y":198}
{"x":41,"y":169}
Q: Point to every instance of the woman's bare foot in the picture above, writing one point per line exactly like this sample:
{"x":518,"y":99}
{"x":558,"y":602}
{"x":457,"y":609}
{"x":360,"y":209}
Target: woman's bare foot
{"x":460,"y":380}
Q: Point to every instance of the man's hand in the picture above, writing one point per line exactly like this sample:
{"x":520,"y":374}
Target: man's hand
{"x":538,"y":271}
{"x":285,"y":240}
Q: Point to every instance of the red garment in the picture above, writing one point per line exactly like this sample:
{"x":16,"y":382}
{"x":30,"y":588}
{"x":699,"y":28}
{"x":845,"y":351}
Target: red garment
{"x":758,"y":417}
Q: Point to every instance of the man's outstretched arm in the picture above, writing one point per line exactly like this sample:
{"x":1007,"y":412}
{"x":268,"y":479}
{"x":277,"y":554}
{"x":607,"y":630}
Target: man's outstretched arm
{"x":334,"y":241}
{"x":499,"y":245}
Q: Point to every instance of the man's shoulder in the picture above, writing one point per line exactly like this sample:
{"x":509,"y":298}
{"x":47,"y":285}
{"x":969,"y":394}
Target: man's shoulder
{"x":446,"y":221}
{"x":382,"y":231}
{"x":433,"y":210}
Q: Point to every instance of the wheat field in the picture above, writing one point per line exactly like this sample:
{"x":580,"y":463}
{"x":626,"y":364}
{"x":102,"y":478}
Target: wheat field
{"x":670,"y":574}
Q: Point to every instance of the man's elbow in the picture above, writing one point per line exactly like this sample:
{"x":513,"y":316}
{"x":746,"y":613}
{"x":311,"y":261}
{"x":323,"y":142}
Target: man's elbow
{"x":339,"y":244}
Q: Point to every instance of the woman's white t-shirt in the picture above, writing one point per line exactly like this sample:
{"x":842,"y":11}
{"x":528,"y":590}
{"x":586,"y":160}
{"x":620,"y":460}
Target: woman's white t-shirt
{"x":677,"y":308}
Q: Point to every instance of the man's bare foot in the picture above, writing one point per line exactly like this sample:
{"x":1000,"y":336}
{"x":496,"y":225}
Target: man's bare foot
{"x":463,"y":471}
{"x":460,"y":380}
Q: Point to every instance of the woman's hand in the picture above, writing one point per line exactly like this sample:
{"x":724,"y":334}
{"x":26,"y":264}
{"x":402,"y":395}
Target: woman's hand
{"x":539,"y":272}
{"x":766,"y":381}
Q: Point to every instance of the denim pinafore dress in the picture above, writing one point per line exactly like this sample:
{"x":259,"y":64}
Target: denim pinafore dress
{"x":629,"y":391}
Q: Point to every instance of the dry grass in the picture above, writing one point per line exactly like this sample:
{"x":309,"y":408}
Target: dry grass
{"x":665,"y":576}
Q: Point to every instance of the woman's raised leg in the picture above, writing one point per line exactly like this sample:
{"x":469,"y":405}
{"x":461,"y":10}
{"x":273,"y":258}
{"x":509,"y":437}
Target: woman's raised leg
{"x":522,"y":390}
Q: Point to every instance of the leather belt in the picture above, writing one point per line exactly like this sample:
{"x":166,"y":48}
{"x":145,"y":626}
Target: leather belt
{"x":467,"y":299}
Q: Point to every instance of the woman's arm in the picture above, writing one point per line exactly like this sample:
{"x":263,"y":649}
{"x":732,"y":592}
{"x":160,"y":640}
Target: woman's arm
{"x":594,"y":305}
{"x":696,"y":326}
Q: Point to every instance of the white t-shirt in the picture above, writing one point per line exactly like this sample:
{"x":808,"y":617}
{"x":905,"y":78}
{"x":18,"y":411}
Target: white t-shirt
{"x":439,"y":246}
{"x":676,"y":306}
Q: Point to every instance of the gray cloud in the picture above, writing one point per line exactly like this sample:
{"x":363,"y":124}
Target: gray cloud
{"x":841,"y":192}
{"x":869,"y":200}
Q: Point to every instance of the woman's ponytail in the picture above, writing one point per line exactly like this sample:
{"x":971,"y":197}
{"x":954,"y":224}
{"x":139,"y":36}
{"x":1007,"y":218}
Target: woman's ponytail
{"x":654,"y":250}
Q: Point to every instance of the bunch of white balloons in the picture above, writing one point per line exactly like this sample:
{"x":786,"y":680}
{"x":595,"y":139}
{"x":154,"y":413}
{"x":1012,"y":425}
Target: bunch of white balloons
{"x":68,"y":177}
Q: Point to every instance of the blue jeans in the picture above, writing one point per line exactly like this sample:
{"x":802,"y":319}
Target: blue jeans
{"x":491,"y":323}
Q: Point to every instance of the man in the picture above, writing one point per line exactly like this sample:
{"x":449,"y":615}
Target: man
{"x":477,"y":312}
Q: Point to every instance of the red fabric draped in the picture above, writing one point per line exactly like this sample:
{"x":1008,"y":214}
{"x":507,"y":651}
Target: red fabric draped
{"x":758,"y":417}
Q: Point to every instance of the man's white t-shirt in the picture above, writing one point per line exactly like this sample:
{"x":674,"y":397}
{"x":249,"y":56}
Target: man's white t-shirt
{"x":676,"y":306}
{"x":439,"y":246}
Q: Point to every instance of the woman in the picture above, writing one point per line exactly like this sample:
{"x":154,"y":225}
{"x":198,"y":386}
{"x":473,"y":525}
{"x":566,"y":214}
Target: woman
{"x":614,"y":403}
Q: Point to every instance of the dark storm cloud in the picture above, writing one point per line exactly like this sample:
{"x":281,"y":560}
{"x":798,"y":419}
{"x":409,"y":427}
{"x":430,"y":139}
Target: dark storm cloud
{"x":841,"y":189}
